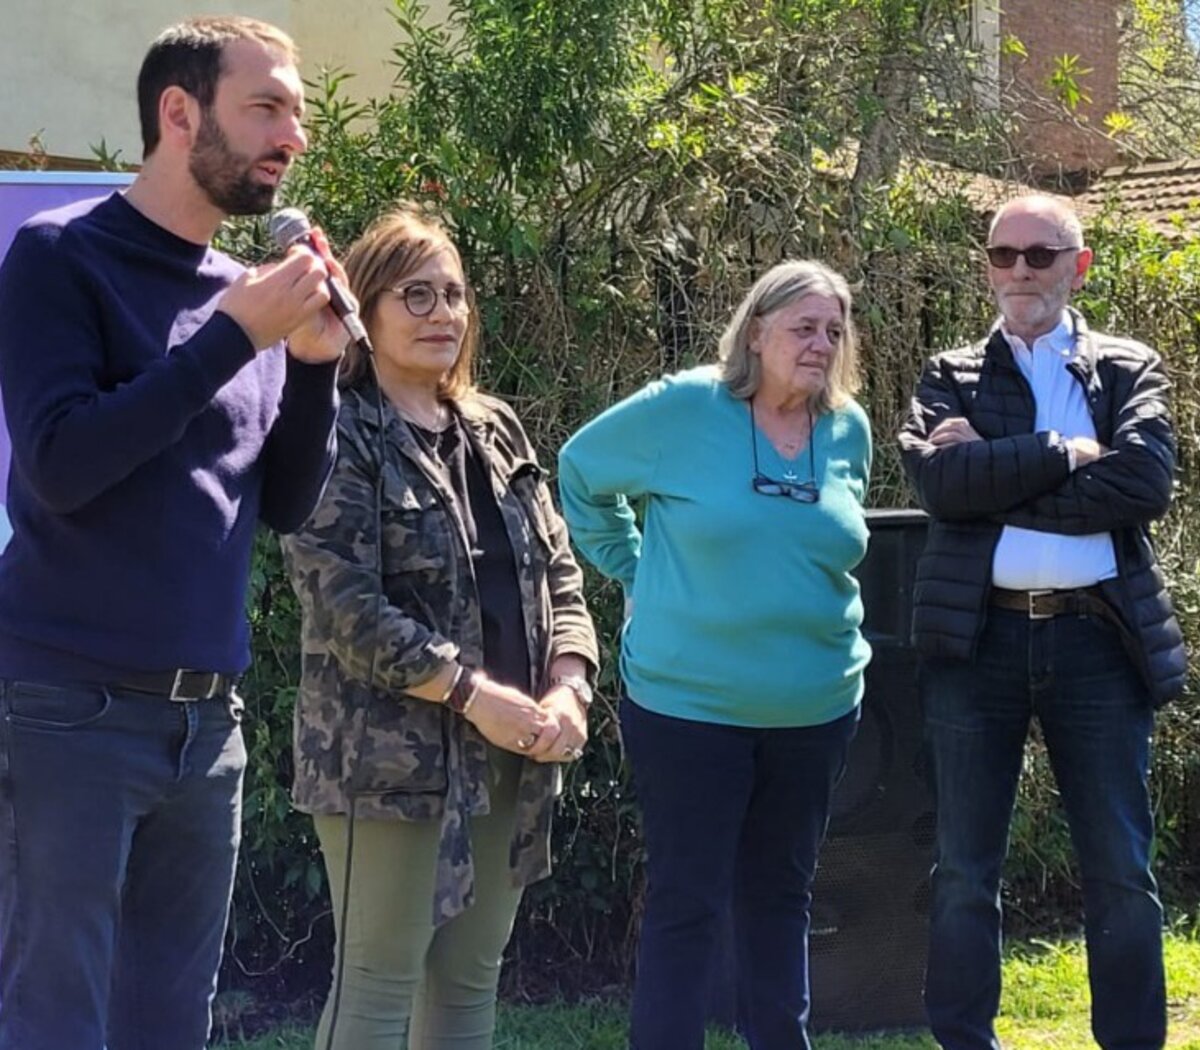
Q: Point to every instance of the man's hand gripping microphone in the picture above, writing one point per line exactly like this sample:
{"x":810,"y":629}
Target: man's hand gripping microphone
{"x":291,"y":227}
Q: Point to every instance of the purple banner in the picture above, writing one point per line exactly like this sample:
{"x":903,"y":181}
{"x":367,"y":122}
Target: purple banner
{"x":23,"y":194}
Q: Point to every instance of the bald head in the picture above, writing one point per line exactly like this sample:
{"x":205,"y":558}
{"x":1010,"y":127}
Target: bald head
{"x":1052,"y":210}
{"x":1033,"y":295}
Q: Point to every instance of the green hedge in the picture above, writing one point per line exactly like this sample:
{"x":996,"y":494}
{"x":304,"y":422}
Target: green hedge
{"x":615,"y":188}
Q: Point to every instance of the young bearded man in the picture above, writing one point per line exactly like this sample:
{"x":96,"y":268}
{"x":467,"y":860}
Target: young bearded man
{"x":162,"y":400}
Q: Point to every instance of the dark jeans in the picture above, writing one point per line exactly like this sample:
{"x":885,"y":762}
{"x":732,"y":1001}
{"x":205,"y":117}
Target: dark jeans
{"x":729,"y":814}
{"x":1074,"y":675}
{"x":119,"y":824}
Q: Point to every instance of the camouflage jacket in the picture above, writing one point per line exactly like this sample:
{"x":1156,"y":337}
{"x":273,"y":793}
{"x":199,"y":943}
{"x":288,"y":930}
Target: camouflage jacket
{"x":357,"y":735}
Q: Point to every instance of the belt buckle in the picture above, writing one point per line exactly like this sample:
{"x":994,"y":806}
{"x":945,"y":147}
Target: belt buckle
{"x":178,"y":682}
{"x":1033,"y":597}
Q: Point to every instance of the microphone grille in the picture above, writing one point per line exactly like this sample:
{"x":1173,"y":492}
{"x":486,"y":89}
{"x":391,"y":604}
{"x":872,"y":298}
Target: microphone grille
{"x":287,"y":226}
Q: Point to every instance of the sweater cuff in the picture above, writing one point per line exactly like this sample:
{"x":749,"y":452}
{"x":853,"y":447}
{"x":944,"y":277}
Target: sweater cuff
{"x":218,"y":351}
{"x":311,"y":382}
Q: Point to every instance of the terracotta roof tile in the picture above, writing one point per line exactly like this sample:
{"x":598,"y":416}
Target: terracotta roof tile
{"x":1165,"y":194}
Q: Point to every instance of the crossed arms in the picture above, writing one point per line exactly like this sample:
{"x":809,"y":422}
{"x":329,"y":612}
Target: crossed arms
{"x":1026,"y":480}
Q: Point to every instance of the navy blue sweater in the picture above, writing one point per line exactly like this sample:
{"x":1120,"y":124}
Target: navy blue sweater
{"x":148,"y":438}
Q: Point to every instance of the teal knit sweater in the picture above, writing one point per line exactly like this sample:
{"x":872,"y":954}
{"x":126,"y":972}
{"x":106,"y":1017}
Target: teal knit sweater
{"x":744,"y":609}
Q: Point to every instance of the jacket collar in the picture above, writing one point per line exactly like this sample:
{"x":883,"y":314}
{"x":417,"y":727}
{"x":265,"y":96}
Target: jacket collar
{"x":1083,"y":364}
{"x":471,"y":409}
{"x":477,"y":419}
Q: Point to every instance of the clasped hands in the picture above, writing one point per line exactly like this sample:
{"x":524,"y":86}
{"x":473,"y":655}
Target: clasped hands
{"x":955,"y":430}
{"x":552,"y":729}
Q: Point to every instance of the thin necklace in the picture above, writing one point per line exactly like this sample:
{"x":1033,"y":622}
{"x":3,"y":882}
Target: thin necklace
{"x":788,"y":473}
{"x":440,"y":421}
{"x":430,"y":440}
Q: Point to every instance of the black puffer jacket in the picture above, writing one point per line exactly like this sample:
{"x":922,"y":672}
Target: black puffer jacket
{"x":1016,"y":477}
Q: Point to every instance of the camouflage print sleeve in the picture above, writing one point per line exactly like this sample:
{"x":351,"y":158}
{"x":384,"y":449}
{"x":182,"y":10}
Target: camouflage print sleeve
{"x":332,"y":564}
{"x":572,"y":631}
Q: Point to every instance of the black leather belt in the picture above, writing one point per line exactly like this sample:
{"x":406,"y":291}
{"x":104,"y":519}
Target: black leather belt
{"x":182,"y":686}
{"x":1042,"y":605}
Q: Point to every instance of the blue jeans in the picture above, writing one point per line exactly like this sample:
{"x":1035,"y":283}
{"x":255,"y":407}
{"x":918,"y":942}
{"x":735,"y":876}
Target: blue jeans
{"x":1073,"y":673}
{"x":119,"y":825}
{"x":730,"y":815}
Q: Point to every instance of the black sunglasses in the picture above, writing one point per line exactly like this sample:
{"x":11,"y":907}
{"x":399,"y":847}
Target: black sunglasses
{"x":1037,"y":256}
{"x":800,"y":491}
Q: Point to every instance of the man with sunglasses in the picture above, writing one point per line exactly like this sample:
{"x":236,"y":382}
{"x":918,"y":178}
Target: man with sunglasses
{"x":1042,"y":454}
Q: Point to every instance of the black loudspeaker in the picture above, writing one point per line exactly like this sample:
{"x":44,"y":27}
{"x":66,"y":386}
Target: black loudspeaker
{"x":871,"y":896}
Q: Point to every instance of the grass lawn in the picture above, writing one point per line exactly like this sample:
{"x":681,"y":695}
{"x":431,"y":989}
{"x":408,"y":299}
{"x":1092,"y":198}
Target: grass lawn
{"x":1044,"y":1006}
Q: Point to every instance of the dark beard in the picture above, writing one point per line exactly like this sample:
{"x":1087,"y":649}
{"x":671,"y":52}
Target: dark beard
{"x":226,"y":177}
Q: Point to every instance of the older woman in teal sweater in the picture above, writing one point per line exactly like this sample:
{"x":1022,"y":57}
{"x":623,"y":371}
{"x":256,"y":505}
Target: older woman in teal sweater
{"x":742,"y":658}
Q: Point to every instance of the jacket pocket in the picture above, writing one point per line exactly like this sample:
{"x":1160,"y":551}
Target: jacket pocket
{"x":402,"y":748}
{"x":416,"y":533}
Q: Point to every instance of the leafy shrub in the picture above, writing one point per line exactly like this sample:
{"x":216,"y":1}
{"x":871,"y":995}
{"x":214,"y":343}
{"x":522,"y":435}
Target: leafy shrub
{"x":616,"y":174}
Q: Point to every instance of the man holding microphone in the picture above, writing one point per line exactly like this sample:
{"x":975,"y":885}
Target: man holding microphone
{"x":161,"y":401}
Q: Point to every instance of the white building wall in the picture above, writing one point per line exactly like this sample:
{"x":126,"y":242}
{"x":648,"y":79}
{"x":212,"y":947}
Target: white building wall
{"x":68,"y":70}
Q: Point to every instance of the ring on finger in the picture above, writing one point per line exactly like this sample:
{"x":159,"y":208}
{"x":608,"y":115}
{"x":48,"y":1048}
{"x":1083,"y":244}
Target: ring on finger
{"x":526,"y":742}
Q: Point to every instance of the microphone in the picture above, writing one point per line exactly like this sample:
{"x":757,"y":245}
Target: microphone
{"x":290,"y":226}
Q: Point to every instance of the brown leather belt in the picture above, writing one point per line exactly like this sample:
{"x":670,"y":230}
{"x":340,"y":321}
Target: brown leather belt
{"x":1042,"y":605}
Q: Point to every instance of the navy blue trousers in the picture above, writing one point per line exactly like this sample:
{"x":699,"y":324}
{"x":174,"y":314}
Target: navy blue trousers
{"x":1073,"y":674}
{"x":731,"y":815}
{"x":119,"y":824}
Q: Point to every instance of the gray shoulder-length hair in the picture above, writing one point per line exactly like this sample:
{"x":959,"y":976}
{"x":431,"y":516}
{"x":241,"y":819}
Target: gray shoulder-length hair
{"x":779,"y":287}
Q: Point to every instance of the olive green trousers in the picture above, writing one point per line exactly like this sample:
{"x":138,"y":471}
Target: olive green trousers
{"x":407,"y":985}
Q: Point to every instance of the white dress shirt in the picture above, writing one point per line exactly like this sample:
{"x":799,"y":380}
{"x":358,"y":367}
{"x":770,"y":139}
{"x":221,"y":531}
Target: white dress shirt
{"x":1026,"y":560}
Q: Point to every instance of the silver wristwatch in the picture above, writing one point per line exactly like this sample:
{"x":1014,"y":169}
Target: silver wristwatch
{"x":577,"y":684}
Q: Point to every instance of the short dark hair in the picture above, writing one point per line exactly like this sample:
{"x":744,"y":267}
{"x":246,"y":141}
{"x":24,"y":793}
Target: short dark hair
{"x":189,"y":55}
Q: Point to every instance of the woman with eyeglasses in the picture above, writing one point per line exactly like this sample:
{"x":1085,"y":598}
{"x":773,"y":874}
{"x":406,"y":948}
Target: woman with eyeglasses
{"x":742,"y":658}
{"x":447,"y":661}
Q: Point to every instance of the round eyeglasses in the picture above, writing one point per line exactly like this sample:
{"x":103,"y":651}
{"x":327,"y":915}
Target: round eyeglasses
{"x":801,"y":492}
{"x":420,"y":297}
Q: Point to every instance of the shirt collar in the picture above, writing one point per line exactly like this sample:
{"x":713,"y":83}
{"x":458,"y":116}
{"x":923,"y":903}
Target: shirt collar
{"x":1060,"y":338}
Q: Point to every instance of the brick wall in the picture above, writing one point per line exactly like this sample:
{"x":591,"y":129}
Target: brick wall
{"x":1049,"y":28}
